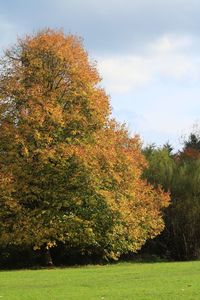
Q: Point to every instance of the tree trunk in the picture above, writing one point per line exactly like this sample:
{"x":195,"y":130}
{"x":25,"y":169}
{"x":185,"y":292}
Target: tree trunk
{"x":185,"y":246}
{"x":48,"y":258}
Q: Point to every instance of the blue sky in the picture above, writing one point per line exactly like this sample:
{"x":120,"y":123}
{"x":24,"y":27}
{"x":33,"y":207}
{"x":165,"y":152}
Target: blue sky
{"x":147,"y":52}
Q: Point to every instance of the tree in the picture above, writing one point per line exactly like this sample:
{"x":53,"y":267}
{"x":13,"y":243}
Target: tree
{"x":160,"y":166}
{"x":191,"y":147}
{"x":193,"y":141}
{"x":69,"y":173}
{"x":179,"y":174}
{"x":186,"y":208}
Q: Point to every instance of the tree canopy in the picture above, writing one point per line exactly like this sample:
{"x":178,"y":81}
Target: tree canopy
{"x":68,"y":172}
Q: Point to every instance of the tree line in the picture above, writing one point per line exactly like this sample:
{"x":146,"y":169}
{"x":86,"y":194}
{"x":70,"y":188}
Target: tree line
{"x":179,"y":174}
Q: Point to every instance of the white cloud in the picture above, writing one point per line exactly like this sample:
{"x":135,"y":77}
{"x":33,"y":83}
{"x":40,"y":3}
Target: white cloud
{"x":171,"y":43}
{"x":156,"y":92}
{"x":124,"y":73}
{"x":169,"y":57}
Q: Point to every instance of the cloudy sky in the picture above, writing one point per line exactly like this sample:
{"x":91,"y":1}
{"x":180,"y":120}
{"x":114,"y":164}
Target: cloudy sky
{"x":148,"y":54}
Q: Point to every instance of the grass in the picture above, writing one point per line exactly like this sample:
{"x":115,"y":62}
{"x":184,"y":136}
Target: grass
{"x":126,"y":281}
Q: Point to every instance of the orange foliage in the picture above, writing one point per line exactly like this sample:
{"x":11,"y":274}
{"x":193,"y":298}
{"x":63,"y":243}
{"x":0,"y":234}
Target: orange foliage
{"x":75,"y":175}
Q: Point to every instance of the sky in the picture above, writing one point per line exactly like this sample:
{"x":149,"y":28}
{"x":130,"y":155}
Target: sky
{"x":147,"y":53}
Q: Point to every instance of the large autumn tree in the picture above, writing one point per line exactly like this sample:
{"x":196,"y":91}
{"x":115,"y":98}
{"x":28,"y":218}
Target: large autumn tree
{"x":68,"y":173}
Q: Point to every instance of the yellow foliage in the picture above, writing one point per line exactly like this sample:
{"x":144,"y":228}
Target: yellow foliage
{"x":68,"y":172}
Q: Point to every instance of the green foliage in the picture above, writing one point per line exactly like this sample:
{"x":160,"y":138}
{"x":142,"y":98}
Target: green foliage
{"x":180,"y":175}
{"x":161,"y":166}
{"x":185,"y":210}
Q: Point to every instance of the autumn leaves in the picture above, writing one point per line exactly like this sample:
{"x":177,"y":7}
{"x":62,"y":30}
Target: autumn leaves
{"x":74,"y":175}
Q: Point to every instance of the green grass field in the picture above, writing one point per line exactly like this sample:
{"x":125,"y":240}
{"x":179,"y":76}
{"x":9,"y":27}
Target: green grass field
{"x":121,"y":281}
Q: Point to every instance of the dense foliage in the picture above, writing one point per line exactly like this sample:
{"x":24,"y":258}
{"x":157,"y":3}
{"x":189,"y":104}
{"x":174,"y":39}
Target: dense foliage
{"x":180,"y":175}
{"x":68,"y":173}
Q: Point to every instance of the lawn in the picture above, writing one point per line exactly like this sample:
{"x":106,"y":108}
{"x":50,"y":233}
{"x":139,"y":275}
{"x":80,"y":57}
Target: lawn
{"x":121,"y":281}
